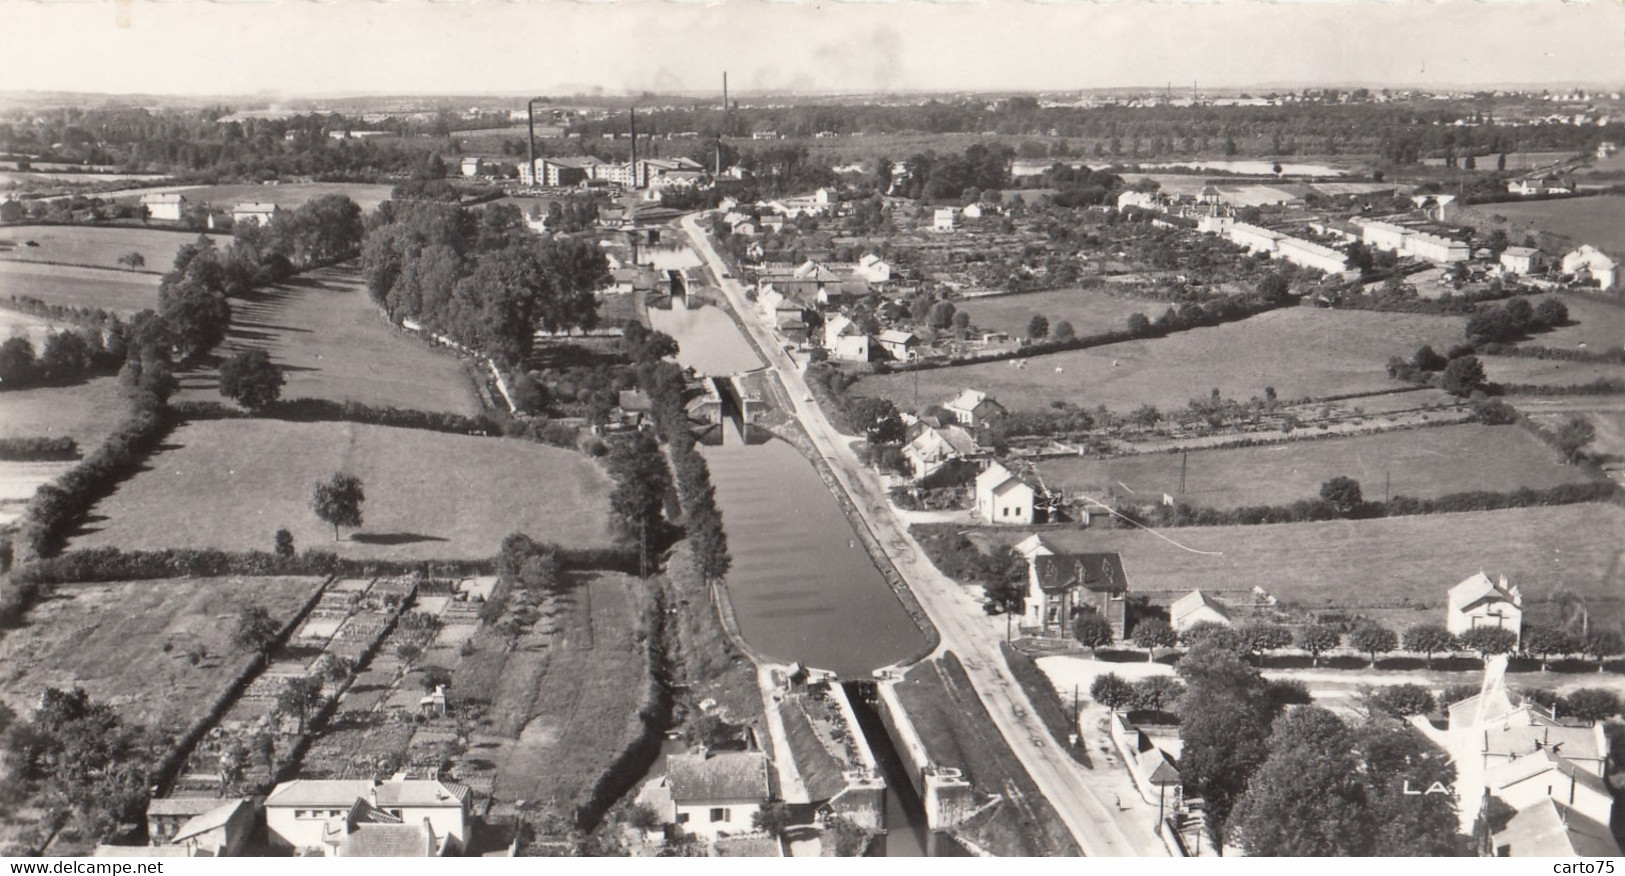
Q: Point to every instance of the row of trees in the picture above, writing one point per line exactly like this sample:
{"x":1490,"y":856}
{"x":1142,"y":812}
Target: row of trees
{"x":68,"y":356}
{"x":1259,"y":638}
{"x":479,"y":276}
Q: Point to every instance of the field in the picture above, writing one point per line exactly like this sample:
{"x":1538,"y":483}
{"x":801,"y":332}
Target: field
{"x":131,"y":643}
{"x":1598,"y":326}
{"x":1089,"y":311}
{"x":1400,"y":566}
{"x":333,"y":344}
{"x":97,"y":247}
{"x":1422,"y":463}
{"x":289,"y":195}
{"x":1299,"y":351}
{"x":86,"y":413}
{"x":17,"y":324}
{"x":1548,"y":372}
{"x":584,"y":702}
{"x":1599,"y":221}
{"x":230,"y":484}
{"x":118,"y":291}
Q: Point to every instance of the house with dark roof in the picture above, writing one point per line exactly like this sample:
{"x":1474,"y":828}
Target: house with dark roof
{"x":974,"y":408}
{"x":1061,"y":585}
{"x":713,"y":794}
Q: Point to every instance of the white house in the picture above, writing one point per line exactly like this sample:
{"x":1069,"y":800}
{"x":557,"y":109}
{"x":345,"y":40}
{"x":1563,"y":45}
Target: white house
{"x":1001,"y":497}
{"x":1480,"y":602}
{"x":900,"y":344}
{"x":874,"y":269}
{"x":1436,"y":248}
{"x":933,"y":448}
{"x":845,"y":340}
{"x":473,"y":167}
{"x":1593,"y":263}
{"x":718,"y":793}
{"x":308,"y":813}
{"x":1382,"y":235}
{"x":1196,"y":607}
{"x":164,"y":207}
{"x":974,"y":408}
{"x":943,"y":219}
{"x":254,"y":212}
{"x":1525,"y":781}
{"x":1522,"y":260}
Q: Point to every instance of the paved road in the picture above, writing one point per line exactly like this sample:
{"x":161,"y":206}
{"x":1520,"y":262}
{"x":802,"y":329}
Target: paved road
{"x":1100,"y":828}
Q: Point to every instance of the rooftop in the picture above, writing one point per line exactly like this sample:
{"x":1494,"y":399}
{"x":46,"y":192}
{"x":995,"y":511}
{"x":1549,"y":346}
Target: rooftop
{"x":725,"y":776}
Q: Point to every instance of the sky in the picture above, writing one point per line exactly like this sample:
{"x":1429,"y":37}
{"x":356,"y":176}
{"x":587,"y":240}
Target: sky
{"x":301,"y":47}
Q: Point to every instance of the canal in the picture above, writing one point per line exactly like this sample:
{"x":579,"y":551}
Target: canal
{"x":803,"y":587}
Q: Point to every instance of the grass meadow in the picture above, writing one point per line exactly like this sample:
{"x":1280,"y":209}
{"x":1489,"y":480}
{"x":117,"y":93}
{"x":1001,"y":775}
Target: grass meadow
{"x":1300,"y":351}
{"x":1422,"y":463}
{"x":333,"y":343}
{"x":231,"y":484}
{"x":71,"y":286}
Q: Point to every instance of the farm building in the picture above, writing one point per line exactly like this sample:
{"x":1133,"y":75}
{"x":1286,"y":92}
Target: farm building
{"x":166,"y":207}
{"x":973,"y":408}
{"x":1480,"y":602}
{"x":1590,"y":263}
{"x":874,"y":269}
{"x":1550,"y":829}
{"x":943,"y":219}
{"x":473,"y":167}
{"x":716,"y":793}
{"x":1522,"y":260}
{"x":254,"y":213}
{"x":902,"y":345}
{"x":1197,"y":607}
{"x":1001,"y":497}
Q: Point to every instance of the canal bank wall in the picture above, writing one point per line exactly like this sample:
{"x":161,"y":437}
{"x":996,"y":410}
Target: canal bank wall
{"x":944,"y":792}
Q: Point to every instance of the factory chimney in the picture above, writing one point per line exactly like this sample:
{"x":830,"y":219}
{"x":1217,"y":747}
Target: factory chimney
{"x":632,"y":121}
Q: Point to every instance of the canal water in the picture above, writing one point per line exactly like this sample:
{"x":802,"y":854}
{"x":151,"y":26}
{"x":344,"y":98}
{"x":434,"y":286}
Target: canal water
{"x":803,"y":587}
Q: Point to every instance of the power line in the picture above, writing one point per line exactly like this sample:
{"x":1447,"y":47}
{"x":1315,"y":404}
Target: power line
{"x":1112,"y":511}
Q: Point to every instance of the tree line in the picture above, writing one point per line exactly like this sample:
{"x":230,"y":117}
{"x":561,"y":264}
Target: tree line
{"x":479,"y":276}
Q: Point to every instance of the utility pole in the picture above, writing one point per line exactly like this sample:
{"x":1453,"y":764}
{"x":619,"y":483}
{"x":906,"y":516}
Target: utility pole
{"x":1184,"y":463}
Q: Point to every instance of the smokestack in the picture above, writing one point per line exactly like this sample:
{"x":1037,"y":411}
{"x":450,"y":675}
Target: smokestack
{"x":530,"y":124}
{"x":632,"y":120}
{"x":725,"y":106}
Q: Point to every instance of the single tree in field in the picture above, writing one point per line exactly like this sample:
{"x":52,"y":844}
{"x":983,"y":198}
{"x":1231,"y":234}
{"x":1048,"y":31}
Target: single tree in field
{"x":1317,"y":639}
{"x":1111,"y":691}
{"x":1153,"y":633}
{"x":1374,"y":638}
{"x":338,"y":501}
{"x":1599,"y":645}
{"x":299,"y":696}
{"x":251,"y":379}
{"x":1573,"y":436}
{"x":133,"y":260}
{"x":1543,"y":641}
{"x":255,"y":630}
{"x":1488,"y":641}
{"x":1038,"y":327}
{"x":1342,"y":493}
{"x":408,"y":653}
{"x":1064,"y":331}
{"x":284,"y":544}
{"x":1093,"y":631}
{"x":771,"y":819}
{"x":1462,"y":376}
{"x":1430,"y":639}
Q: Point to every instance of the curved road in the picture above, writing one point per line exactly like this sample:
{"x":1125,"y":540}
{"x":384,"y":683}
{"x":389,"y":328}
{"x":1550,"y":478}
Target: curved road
{"x":1077,"y":794}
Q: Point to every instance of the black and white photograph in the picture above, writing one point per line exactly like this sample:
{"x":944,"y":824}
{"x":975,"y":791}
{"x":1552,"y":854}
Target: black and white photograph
{"x":642,"y":428}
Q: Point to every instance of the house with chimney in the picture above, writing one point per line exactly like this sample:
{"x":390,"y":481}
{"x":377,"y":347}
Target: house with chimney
{"x":1482,"y":602}
{"x":1061,"y":585}
{"x":315,"y":814}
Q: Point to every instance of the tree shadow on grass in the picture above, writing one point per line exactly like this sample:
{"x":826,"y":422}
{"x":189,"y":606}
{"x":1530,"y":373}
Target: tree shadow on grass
{"x":393,"y":538}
